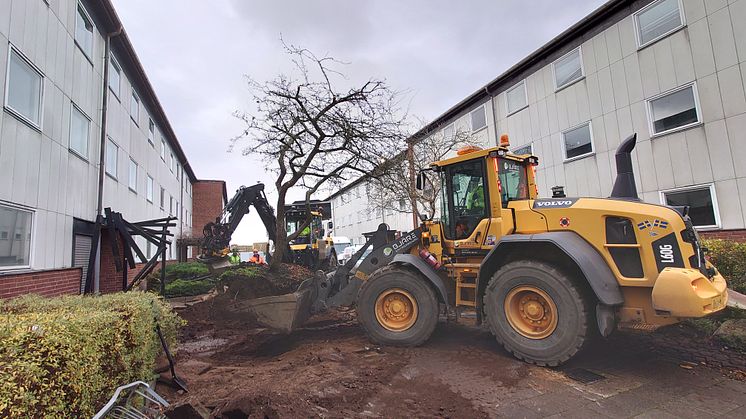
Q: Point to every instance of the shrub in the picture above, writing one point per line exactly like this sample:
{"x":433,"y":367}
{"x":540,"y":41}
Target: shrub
{"x":178,"y":271}
{"x":729,"y":258}
{"x":182,"y":288}
{"x":241,"y":273}
{"x":66,"y":356}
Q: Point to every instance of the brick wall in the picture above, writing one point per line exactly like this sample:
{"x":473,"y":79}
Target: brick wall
{"x":50,"y":283}
{"x":208,"y":199}
{"x":109,"y":279}
{"x":738,"y":235}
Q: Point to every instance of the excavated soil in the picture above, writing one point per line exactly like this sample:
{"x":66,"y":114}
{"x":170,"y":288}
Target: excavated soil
{"x":329,"y":368}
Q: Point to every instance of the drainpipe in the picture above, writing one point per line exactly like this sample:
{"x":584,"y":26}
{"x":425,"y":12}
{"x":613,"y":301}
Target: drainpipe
{"x":494,"y":115}
{"x":102,"y":150}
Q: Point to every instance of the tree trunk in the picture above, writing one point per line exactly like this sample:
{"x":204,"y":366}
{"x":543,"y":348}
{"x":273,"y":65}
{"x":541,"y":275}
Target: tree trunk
{"x":281,"y":241}
{"x":411,"y":188}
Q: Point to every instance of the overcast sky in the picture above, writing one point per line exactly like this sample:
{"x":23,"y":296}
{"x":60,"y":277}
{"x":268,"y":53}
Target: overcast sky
{"x":197,"y":52}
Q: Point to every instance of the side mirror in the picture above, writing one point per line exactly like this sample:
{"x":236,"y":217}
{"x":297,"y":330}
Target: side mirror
{"x":329,"y":225}
{"x":420,"y":180}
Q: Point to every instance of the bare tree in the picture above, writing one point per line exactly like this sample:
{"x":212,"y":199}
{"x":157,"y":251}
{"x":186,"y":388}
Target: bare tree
{"x":315,"y":134}
{"x":396,"y":184}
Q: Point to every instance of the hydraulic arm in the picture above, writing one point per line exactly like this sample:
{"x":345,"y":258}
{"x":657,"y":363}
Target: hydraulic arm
{"x":217,"y":235}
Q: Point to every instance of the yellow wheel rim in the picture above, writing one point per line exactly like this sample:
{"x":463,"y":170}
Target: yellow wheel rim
{"x":396,"y":310}
{"x":531,"y":312}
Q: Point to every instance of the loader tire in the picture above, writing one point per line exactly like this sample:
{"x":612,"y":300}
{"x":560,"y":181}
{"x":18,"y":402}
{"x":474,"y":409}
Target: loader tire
{"x":538,"y":313}
{"x":397,"y":307}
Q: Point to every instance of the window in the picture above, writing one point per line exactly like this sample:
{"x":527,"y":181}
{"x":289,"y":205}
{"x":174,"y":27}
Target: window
{"x":577,"y":142}
{"x":513,"y":181}
{"x":135,"y":107}
{"x":674,"y":110}
{"x":567,"y":69}
{"x":478,"y":119}
{"x":80,"y":132}
{"x":111,"y":158}
{"x":163,"y":197}
{"x":448,"y":132}
{"x":178,"y":171}
{"x":163,"y":149}
{"x":515,"y":98}
{"x":115,"y":76}
{"x":148,"y":249}
{"x":464,"y":198}
{"x":702,"y":203}
{"x":524,"y":149}
{"x":15,"y":248}
{"x":357,"y":192}
{"x":178,"y":214}
{"x":149,"y":189}
{"x":658,"y":20}
{"x":171,"y":162}
{"x":133,"y":176}
{"x":171,"y":205}
{"x":151,"y":132}
{"x":84,"y":32}
{"x":24,"y":90}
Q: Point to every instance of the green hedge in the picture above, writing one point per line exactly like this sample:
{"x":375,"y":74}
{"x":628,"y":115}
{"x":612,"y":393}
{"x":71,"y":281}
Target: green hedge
{"x":182,"y":288}
{"x":729,"y":258}
{"x":64,"y":357}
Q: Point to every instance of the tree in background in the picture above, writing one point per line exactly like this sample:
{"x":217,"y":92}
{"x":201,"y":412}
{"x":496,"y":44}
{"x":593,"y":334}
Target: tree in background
{"x":313,"y":133}
{"x":396,"y":183}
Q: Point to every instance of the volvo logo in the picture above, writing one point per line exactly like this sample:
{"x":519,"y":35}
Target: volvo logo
{"x":554,"y":203}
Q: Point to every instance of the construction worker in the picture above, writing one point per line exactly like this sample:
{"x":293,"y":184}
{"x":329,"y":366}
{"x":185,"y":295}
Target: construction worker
{"x":234,"y":258}
{"x":256,"y":258}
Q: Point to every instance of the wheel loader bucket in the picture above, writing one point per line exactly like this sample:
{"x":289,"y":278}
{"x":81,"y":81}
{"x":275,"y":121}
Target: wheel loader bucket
{"x":284,"y":313}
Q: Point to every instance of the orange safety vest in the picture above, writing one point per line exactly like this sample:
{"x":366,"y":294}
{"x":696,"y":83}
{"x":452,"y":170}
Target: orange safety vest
{"x":258,"y":259}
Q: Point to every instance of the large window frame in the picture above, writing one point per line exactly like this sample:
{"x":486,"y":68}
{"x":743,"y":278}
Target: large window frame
{"x":570,"y":82}
{"x":11,"y":236}
{"x":132,"y":182}
{"x":697,"y":107}
{"x":108,"y":168}
{"x":83,"y":154}
{"x":636,"y":20}
{"x":40,"y":106}
{"x":83,"y":13}
{"x":448,"y":210}
{"x":149,"y":188}
{"x":713,"y":197}
{"x":520,"y":84}
{"x":483,"y":109}
{"x":564,"y":143}
{"x":114,"y":65}
{"x":151,"y":132}
{"x":135,"y":107}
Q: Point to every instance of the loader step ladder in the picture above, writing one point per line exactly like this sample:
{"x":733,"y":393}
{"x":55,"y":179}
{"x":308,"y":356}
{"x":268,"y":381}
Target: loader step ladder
{"x":466,"y":283}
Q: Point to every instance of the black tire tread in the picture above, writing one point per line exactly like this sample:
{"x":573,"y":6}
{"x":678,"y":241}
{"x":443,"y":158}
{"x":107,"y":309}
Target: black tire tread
{"x":431,"y":294}
{"x":586,"y":314}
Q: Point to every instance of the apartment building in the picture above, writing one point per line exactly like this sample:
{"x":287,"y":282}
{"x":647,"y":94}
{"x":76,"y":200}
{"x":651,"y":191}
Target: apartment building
{"x":57,"y":107}
{"x":672,"y":71}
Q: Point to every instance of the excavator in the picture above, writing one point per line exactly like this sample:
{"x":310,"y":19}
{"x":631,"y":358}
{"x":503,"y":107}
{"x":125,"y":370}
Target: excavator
{"x":312,"y":248}
{"x":545,"y":275}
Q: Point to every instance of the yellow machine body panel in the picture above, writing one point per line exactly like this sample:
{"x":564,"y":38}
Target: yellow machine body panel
{"x":642,"y":244}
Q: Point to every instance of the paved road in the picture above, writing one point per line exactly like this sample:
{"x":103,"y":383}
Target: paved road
{"x":634,"y":380}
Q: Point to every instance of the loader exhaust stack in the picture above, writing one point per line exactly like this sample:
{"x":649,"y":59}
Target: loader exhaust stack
{"x":624,"y":185}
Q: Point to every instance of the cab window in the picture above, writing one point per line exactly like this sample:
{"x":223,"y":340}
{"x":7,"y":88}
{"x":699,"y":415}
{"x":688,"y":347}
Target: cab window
{"x":513,"y":180}
{"x":465,"y":200}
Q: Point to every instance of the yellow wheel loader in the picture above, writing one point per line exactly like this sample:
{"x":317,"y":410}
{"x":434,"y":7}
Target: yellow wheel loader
{"x":544,"y":274}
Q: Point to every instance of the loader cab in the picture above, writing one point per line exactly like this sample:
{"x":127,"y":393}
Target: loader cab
{"x":479,"y":190}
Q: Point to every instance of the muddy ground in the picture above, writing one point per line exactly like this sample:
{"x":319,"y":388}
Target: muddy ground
{"x":329,"y":369}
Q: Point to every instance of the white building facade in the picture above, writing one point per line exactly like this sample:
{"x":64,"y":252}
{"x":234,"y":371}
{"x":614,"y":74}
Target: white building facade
{"x":52,"y":62}
{"x":672,"y":71}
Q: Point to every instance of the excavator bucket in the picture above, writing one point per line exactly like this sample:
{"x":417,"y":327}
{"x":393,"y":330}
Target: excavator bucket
{"x":283,"y":313}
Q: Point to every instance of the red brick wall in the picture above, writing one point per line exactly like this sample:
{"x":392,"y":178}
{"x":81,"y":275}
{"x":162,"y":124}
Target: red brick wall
{"x":738,"y":235}
{"x":50,"y":283}
{"x":207,"y":203}
{"x":109,"y":279}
